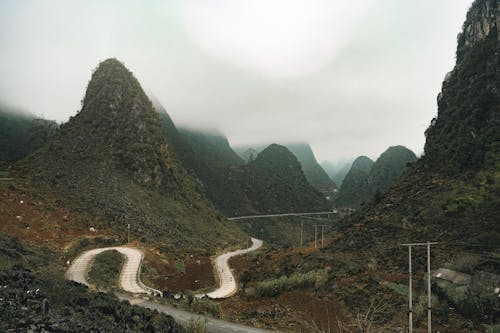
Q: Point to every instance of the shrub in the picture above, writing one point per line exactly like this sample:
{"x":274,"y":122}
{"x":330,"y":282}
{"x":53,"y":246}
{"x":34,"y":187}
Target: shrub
{"x":477,"y":306}
{"x":273,"y":287}
{"x":197,"y":325}
{"x":206,"y":306}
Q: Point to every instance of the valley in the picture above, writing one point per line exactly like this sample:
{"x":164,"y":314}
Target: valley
{"x":132,"y":216}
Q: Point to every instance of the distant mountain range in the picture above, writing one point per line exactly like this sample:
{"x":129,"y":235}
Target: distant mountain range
{"x":337,"y":170}
{"x":367,"y":178}
{"x":233,"y":186}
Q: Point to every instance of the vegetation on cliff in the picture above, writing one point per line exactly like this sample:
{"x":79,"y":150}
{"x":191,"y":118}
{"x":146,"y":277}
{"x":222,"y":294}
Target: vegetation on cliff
{"x":368,"y":179}
{"x":113,"y":160}
{"x":274,"y":182}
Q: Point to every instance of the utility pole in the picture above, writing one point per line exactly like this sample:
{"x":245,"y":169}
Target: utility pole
{"x":410,"y":303}
{"x":429,"y":293}
{"x":301,"y":231}
{"x":315,"y":235}
{"x":322,"y":233}
{"x":128,"y":233}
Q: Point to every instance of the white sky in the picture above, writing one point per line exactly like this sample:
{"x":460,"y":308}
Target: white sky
{"x":350,"y":77}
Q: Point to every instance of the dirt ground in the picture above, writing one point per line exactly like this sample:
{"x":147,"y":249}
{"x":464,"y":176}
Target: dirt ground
{"x":293,"y":311}
{"x":179,"y":274}
{"x":40,"y":221}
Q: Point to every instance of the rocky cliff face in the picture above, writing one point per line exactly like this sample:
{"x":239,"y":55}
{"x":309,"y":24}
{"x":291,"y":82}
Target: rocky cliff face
{"x":465,"y":133}
{"x":114,"y":161}
{"x":451,"y":194}
{"x":482,"y":19}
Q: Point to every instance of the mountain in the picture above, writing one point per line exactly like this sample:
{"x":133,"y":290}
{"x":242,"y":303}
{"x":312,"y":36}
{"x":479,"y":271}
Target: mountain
{"x":389,"y":167}
{"x":355,"y":189}
{"x":337,"y":170}
{"x":214,"y":163}
{"x":465,"y":132}
{"x":249,"y":154}
{"x":451,"y":194}
{"x":274,"y":182}
{"x":22,"y":133}
{"x":224,"y":178}
{"x":314,"y":173}
{"x":114,"y":161}
{"x":211,"y":145}
{"x":366,"y":178}
{"x":208,"y":158}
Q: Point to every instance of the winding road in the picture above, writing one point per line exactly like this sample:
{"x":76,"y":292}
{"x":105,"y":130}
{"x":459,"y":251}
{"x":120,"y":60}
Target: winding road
{"x":183,"y":317}
{"x":131,"y":283}
{"x":227,"y":281}
{"x":129,"y":274}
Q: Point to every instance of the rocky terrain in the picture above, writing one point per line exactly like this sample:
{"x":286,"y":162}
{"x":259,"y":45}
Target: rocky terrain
{"x":113,"y":160}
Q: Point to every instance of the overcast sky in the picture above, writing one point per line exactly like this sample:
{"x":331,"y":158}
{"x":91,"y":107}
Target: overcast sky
{"x":350,"y":77}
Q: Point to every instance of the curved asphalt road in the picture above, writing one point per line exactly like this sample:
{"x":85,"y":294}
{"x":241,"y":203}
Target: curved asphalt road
{"x":227,"y":281}
{"x":183,"y":317}
{"x":129,"y":281}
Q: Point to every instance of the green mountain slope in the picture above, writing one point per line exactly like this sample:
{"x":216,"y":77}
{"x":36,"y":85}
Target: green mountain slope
{"x":208,"y":158}
{"x":113,"y":160}
{"x":314,"y":173}
{"x":274,"y":182}
{"x":21,"y":134}
{"x":434,"y":202}
{"x":224,"y":179}
{"x":366,"y":179}
{"x":389,"y":167}
{"x":355,"y":189}
{"x":211,"y":145}
{"x":465,"y":133}
{"x":214,"y":163}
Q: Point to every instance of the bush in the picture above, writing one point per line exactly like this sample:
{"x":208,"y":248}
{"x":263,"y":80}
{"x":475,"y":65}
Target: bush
{"x":206,"y":307}
{"x":477,"y":306}
{"x":106,"y":269}
{"x":273,"y":287}
{"x":197,"y":325}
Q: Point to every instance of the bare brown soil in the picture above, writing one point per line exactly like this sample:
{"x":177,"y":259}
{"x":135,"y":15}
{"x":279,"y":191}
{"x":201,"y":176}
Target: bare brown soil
{"x":39,"y":221}
{"x":291,"y":311}
{"x":162,"y":273}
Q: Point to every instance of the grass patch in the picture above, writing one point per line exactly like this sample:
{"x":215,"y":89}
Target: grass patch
{"x":273,"y":287}
{"x":398,"y":288}
{"x":105,"y":270}
{"x":179,"y":266}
